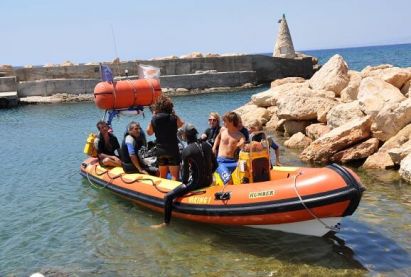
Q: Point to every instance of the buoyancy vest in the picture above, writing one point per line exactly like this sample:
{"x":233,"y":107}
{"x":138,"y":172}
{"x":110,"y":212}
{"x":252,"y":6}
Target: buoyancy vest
{"x":125,"y":155}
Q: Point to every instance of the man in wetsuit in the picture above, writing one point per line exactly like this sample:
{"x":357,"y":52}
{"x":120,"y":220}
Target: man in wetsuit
{"x":107,"y":146}
{"x":199,"y":163}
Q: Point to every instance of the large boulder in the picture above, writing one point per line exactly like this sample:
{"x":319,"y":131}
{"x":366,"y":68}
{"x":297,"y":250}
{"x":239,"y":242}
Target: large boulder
{"x":382,"y":159}
{"x":336,"y":140}
{"x":359,"y":151}
{"x":316,"y":130}
{"x":393,"y":75}
{"x":292,"y":127}
{"x":305,"y":104}
{"x":374,"y":93}
{"x":391,"y":119}
{"x":406,"y":89}
{"x":251,"y":112}
{"x":298,"y":140}
{"x":269,"y":97}
{"x":350,"y":92}
{"x":399,"y":153}
{"x":405,"y":168}
{"x":342,"y":113}
{"x":332,"y":76}
{"x":286,"y":80}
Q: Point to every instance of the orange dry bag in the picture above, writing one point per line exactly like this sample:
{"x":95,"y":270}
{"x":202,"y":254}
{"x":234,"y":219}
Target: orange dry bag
{"x":126,"y":93}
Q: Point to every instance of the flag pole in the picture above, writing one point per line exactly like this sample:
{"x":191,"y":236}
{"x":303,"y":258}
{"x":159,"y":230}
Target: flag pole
{"x":115,"y":48}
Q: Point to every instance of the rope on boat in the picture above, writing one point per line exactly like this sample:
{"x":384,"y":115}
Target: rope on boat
{"x":335,"y":229}
{"x":91,"y":183}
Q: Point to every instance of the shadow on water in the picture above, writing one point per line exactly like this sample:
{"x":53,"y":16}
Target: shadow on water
{"x":372,"y":249}
{"x":286,"y":247}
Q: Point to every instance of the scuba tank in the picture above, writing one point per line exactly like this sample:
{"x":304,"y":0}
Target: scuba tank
{"x":89,"y":148}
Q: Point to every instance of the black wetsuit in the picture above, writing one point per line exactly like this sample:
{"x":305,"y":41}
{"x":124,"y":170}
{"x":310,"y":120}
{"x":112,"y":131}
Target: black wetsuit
{"x":199,"y":160}
{"x":107,"y":148}
{"x":165,"y":129}
{"x":211,"y":134}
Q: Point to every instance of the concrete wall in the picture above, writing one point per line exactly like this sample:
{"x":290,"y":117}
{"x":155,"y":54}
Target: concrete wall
{"x":50,"y":87}
{"x":232,"y":71}
{"x":208,"y":80}
{"x":8,"y":84}
{"x":267,"y":68}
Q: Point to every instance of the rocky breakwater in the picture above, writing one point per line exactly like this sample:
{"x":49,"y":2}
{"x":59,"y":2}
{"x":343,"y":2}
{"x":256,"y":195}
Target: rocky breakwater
{"x":341,"y":115}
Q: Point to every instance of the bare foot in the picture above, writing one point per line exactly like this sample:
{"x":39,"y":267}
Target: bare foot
{"x":157,"y":226}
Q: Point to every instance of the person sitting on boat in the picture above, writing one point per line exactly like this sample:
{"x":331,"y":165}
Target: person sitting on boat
{"x":243,"y":130}
{"x":107,"y":146}
{"x":199,"y":163}
{"x":228,"y":142}
{"x":211,"y":133}
{"x":164,"y":125}
{"x":257,"y":134}
{"x":131,"y":161}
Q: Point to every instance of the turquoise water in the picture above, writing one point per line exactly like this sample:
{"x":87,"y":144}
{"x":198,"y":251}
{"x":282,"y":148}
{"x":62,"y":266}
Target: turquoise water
{"x":52,"y":220}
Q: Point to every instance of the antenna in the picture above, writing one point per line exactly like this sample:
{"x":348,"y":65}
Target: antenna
{"x":115,"y":47}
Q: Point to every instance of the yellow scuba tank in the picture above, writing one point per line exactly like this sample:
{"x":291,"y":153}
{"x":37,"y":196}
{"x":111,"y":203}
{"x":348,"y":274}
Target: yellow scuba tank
{"x":89,"y":148}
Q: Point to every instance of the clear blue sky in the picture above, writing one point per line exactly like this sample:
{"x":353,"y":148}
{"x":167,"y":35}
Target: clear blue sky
{"x":52,"y":31}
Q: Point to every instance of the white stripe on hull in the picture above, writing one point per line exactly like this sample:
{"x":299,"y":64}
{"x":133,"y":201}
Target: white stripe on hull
{"x":309,"y":227}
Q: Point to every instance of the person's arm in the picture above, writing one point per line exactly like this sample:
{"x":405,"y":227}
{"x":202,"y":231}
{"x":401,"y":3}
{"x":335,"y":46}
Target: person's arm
{"x":214,"y":163}
{"x":241,"y":142}
{"x":277,"y":157}
{"x":216,"y":143}
{"x":150,"y":129}
{"x":133,"y":157}
{"x":136,"y":163}
{"x":180,"y":122}
{"x":185,"y":173}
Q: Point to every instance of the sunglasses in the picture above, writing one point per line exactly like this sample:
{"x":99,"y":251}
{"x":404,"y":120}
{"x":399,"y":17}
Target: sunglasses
{"x":212,"y":119}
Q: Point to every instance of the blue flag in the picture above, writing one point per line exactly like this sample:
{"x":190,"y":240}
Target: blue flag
{"x":106,"y":73}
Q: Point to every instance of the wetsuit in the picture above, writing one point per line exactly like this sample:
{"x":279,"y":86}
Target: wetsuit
{"x":107,"y":148}
{"x":211,"y":134}
{"x":199,"y":160}
{"x":165,"y":129}
{"x":131,"y":146}
{"x":246,"y":134}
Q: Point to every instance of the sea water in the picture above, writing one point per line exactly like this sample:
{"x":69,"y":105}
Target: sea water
{"x":53,"y":220}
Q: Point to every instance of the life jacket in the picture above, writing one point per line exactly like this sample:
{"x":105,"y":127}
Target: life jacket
{"x":125,"y":155}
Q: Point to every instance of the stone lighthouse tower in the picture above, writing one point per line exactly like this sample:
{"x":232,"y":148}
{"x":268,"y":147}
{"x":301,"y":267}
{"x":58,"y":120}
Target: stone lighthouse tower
{"x":284,"y":47}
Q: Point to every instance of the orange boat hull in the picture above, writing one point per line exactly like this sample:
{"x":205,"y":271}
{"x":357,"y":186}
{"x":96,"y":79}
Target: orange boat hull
{"x":126,"y":93}
{"x":291,"y":196}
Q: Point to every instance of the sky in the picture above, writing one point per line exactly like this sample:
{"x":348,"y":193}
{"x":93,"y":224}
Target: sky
{"x":41,"y":32}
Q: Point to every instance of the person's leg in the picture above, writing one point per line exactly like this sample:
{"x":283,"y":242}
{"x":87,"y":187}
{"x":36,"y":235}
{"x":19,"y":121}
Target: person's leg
{"x":111,"y":161}
{"x":169,"y":198}
{"x":175,"y":172}
{"x":225,"y":168}
{"x":163,"y":171}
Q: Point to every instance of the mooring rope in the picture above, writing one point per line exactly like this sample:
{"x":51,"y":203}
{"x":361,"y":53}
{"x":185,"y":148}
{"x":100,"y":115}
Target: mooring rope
{"x":308,"y":209}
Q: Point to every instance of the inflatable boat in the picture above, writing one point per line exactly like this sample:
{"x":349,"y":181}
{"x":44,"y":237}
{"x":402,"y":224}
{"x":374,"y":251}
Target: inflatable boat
{"x":308,"y":201}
